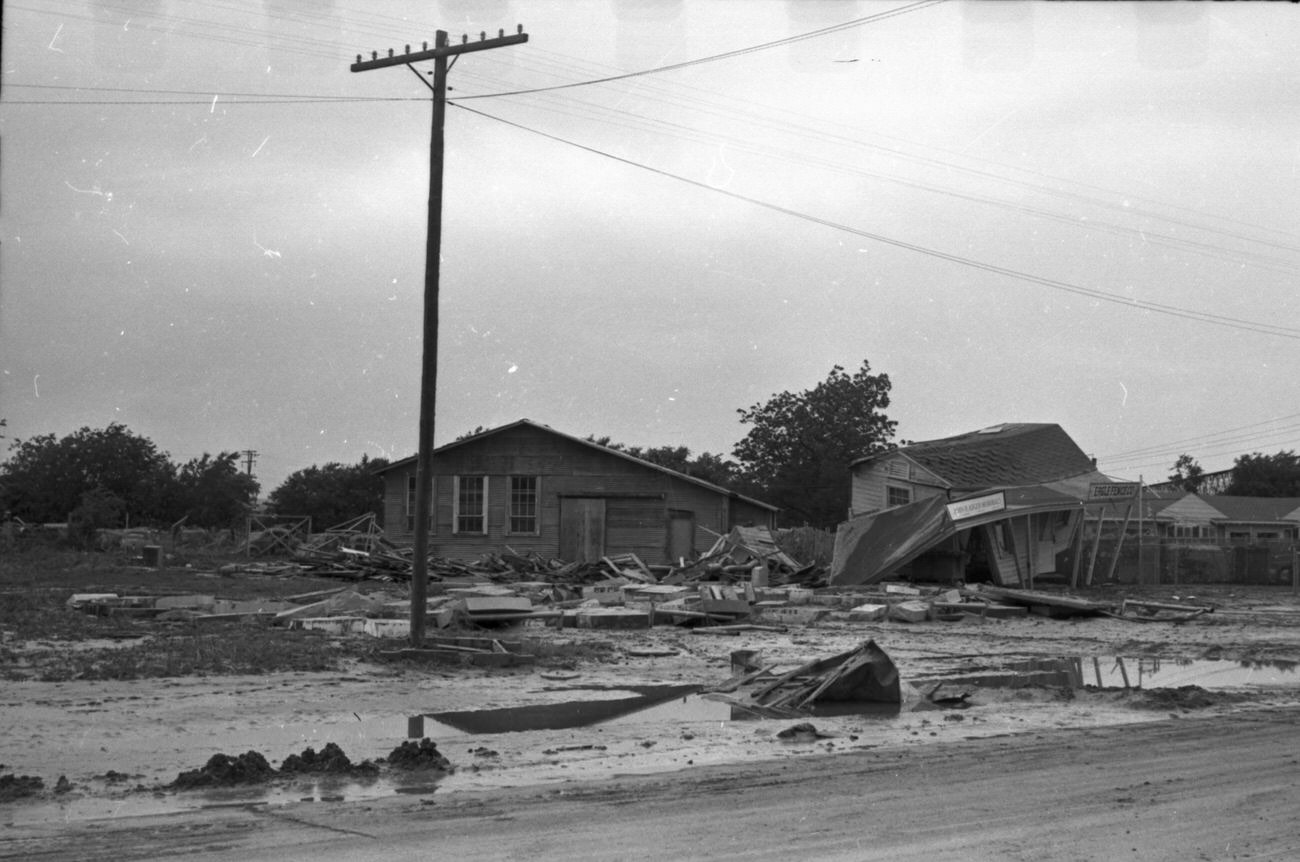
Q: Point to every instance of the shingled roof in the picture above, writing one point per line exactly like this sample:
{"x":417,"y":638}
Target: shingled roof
{"x":1002,"y":455}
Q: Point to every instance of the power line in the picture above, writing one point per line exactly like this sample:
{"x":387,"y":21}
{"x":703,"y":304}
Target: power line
{"x":713,"y":58}
{"x":1067,"y":287}
{"x":1210,"y":439}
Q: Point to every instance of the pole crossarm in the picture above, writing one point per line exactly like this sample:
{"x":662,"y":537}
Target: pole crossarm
{"x":439,"y":52}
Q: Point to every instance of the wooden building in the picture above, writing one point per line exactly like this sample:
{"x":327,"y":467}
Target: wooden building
{"x":534,"y":489}
{"x":1001,"y":504}
{"x":1224,"y":520}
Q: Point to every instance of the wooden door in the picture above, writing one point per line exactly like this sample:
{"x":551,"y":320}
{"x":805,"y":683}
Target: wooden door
{"x":681,"y":535}
{"x":582,"y":529}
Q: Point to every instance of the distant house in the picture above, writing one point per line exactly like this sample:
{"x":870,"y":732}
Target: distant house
{"x":1222,"y":520}
{"x":1000,"y":504}
{"x":535,"y":489}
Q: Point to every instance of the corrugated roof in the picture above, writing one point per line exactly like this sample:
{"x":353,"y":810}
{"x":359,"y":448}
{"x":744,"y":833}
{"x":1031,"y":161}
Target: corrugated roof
{"x":1009,"y":454}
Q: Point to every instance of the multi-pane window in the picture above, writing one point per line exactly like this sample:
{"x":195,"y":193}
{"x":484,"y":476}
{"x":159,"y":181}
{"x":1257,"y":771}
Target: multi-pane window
{"x":471,"y":504}
{"x":895,"y":496}
{"x":523,"y":504}
{"x":410,"y":505}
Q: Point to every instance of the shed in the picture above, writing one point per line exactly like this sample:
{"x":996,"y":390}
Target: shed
{"x":534,"y":489}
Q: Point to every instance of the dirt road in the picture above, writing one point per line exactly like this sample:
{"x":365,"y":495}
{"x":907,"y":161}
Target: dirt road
{"x":1222,"y":787}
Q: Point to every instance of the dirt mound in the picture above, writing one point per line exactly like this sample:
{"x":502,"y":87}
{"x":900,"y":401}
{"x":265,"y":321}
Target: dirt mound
{"x":1183,"y":697}
{"x":421,"y":755}
{"x":19,"y":786}
{"x":222,"y":770}
{"x":330,"y":759}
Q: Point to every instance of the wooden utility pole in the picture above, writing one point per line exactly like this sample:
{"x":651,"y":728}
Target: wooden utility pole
{"x":433,"y":248}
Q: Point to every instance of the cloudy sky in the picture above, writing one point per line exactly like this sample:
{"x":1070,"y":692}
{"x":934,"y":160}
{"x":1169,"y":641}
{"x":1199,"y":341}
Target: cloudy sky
{"x":212,"y":231}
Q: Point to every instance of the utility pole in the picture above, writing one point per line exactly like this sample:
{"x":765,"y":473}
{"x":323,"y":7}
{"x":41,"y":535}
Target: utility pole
{"x":433,"y":248}
{"x":250,"y":458}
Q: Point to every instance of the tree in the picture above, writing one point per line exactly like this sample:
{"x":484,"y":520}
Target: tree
{"x":798,"y":452}
{"x":1257,"y":475}
{"x":45,"y":478}
{"x":212,"y":492}
{"x":333,"y":493}
{"x":1188,"y":475}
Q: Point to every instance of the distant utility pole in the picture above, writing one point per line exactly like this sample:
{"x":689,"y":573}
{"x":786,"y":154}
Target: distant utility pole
{"x":433,"y":248}
{"x":250,"y":458}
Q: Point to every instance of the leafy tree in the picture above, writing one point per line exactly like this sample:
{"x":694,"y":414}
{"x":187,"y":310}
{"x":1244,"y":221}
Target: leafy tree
{"x":1188,"y":475}
{"x":99,"y":509}
{"x":45,"y":478}
{"x":212,"y":492}
{"x":798,"y":452}
{"x":333,"y":493}
{"x":706,"y":466}
{"x":1257,"y":475}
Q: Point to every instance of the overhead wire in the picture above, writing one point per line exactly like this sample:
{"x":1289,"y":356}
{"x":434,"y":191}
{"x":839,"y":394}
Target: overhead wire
{"x":725,"y":55}
{"x":1146,"y":305}
{"x":1146,"y":236}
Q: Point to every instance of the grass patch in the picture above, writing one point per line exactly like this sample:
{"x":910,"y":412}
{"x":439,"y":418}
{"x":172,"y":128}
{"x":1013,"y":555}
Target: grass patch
{"x":46,"y":567}
{"x":228,"y":650}
{"x":43,"y":614}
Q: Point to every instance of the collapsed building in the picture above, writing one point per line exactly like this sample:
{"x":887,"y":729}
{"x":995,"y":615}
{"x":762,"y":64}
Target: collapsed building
{"x":1003,"y":504}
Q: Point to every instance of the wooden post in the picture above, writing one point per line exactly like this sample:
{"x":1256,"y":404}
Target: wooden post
{"x":1096,"y":544}
{"x":1140,"y":579}
{"x":1030,"y":548}
{"x":1078,"y":547}
{"x":1119,"y":543}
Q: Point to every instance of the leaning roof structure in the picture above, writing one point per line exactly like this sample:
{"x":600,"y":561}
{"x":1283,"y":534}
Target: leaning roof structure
{"x":1020,"y":469}
{"x":1026,"y":453}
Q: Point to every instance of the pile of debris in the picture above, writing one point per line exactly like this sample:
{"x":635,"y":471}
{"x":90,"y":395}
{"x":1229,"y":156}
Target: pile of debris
{"x":358,"y":550}
{"x":865,"y":674}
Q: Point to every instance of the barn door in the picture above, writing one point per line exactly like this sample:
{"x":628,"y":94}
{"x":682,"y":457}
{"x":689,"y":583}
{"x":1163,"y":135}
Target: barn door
{"x":582,"y":529}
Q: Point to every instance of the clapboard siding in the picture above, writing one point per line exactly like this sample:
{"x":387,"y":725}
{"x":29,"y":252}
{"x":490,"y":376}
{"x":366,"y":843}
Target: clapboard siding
{"x":638,"y":497}
{"x":869,"y":480}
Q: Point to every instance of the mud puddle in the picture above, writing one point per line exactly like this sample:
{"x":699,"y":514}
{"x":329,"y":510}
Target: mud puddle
{"x":1121,"y":672}
{"x":649,"y":706}
{"x":598,"y":731}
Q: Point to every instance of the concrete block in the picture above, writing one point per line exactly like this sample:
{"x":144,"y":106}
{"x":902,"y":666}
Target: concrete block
{"x":868,"y":613}
{"x":388,"y":628}
{"x":333,"y":625}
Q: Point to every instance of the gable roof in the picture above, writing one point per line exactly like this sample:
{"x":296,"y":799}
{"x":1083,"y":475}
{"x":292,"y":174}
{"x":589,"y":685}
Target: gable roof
{"x":528,"y":423}
{"x":1026,"y":453}
{"x":1204,"y":508}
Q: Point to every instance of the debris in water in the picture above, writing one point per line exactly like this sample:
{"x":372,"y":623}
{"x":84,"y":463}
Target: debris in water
{"x":802,"y":732}
{"x":19,"y":786}
{"x":421,"y":755}
{"x":222,"y":770}
{"x":331,"y":759}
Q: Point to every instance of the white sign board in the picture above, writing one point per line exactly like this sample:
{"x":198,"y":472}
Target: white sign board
{"x":977,"y":506}
{"x":1100,"y":492}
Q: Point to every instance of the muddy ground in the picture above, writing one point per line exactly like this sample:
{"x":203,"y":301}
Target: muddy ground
{"x":117,"y":745}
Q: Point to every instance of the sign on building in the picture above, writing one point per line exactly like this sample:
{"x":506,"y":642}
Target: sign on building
{"x":1105,"y":492}
{"x":977,"y":506}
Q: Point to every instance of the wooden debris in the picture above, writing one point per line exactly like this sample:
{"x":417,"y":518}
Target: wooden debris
{"x":864,"y":674}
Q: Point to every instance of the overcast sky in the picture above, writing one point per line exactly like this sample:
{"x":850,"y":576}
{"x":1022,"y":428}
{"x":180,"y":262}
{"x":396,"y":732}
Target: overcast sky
{"x":212,"y":231}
